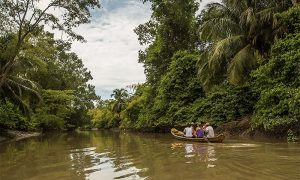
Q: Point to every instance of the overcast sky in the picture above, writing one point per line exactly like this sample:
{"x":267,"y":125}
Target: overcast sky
{"x":111,"y":51}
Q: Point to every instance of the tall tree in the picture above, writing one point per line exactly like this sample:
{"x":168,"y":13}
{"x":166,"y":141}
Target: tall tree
{"x":24,"y":17}
{"x":239,"y":33}
{"x":172,"y":27}
{"x":17,"y":83}
{"x":120,"y":96}
{"x":63,"y":70}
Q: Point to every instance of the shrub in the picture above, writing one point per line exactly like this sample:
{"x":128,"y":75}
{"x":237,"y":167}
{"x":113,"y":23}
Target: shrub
{"x":278,"y":81}
{"x":11,"y":117}
{"x":224,"y":103}
{"x":55,"y":110}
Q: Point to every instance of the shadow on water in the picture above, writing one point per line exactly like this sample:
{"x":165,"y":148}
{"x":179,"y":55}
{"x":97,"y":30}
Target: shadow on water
{"x":120,"y":155}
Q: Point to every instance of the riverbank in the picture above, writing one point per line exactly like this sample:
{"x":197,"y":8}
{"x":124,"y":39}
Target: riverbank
{"x":242,"y":128}
{"x":14,"y":135}
{"x":238,"y":128}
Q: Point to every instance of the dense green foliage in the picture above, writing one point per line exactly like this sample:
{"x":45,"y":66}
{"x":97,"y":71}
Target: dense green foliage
{"x":236,"y":59}
{"x":43,"y":85}
{"x":172,"y":28}
{"x":55,"y":110}
{"x":278,"y":81}
{"x":178,"y":89}
{"x":225,"y":103}
{"x":239,"y":34}
{"x":11,"y":117}
{"x":52,"y":68}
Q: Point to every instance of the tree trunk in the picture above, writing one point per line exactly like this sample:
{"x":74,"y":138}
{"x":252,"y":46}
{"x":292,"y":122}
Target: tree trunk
{"x":5,"y":71}
{"x":8,"y":66}
{"x":2,"y":80}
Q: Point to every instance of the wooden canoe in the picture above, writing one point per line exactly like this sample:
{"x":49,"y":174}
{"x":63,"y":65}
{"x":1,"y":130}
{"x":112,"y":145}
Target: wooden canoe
{"x":217,"y":139}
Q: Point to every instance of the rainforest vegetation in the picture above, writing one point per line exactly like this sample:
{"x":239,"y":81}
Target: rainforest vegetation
{"x":43,"y":85}
{"x":232,"y":59}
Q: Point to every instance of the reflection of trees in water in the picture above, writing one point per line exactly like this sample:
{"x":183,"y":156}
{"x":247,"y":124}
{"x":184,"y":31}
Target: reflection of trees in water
{"x":150,"y":155}
{"x":80,"y":155}
{"x":198,"y":153}
{"x":124,"y":150}
{"x":125,"y":155}
{"x":46,"y":157}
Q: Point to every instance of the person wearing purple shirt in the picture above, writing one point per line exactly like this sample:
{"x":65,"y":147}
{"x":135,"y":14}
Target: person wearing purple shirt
{"x":199,"y":131}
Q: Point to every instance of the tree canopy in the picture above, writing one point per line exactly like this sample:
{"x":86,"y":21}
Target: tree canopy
{"x":234,"y":59}
{"x":38,"y":74}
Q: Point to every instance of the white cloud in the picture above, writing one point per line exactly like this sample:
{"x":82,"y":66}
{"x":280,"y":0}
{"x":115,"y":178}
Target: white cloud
{"x":203,"y":3}
{"x":111,"y":51}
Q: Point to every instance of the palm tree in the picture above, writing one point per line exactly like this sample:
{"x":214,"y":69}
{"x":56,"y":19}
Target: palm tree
{"x":239,"y":33}
{"x":15,"y":87}
{"x":120,"y":96}
{"x":16,"y":84}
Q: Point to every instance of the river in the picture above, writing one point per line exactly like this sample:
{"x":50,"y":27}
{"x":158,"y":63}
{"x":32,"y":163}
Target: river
{"x":109,"y":155}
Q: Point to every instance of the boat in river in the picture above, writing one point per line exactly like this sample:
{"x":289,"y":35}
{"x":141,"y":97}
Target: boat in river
{"x":179,"y":135}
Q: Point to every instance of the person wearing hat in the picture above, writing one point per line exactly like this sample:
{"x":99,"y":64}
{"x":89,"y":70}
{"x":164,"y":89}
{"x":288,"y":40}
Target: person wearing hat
{"x":209,"y":130}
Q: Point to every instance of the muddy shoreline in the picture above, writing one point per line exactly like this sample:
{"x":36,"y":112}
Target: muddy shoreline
{"x":14,"y":135}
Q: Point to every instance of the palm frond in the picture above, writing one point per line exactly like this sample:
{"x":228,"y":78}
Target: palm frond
{"x":248,"y":20}
{"x":214,"y":6}
{"x":249,"y":16}
{"x":22,"y":88}
{"x":235,"y":6}
{"x":239,"y":30}
{"x":205,"y":76}
{"x":224,"y":49}
{"x":218,"y":28}
{"x":17,"y":97}
{"x":241,"y":64}
{"x":219,"y":21}
{"x":25,"y":81}
{"x":215,"y":59}
{"x":24,"y":85}
{"x":266,"y":15}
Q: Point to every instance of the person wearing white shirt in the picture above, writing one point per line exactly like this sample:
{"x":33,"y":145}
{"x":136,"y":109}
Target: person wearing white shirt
{"x":188,"y":131}
{"x":209,"y":130}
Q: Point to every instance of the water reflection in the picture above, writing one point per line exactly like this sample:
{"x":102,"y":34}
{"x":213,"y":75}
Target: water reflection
{"x":107,"y":155}
{"x":198,"y":152}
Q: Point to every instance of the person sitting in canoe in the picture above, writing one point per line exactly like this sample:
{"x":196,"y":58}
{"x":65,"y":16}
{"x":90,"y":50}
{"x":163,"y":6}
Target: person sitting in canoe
{"x":200,"y":130}
{"x":209,"y":130}
{"x":188,"y":131}
{"x":194,"y":129}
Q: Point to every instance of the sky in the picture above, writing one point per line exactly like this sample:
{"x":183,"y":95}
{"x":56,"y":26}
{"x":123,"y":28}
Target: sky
{"x":111,"y":50}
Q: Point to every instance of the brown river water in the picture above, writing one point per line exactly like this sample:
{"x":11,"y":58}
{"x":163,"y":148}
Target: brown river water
{"x":106,"y":155}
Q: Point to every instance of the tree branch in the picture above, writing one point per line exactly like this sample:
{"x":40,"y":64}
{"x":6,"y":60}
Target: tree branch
{"x":33,"y":14}
{"x":33,"y":26}
{"x":21,"y":24}
{"x":7,"y":67}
